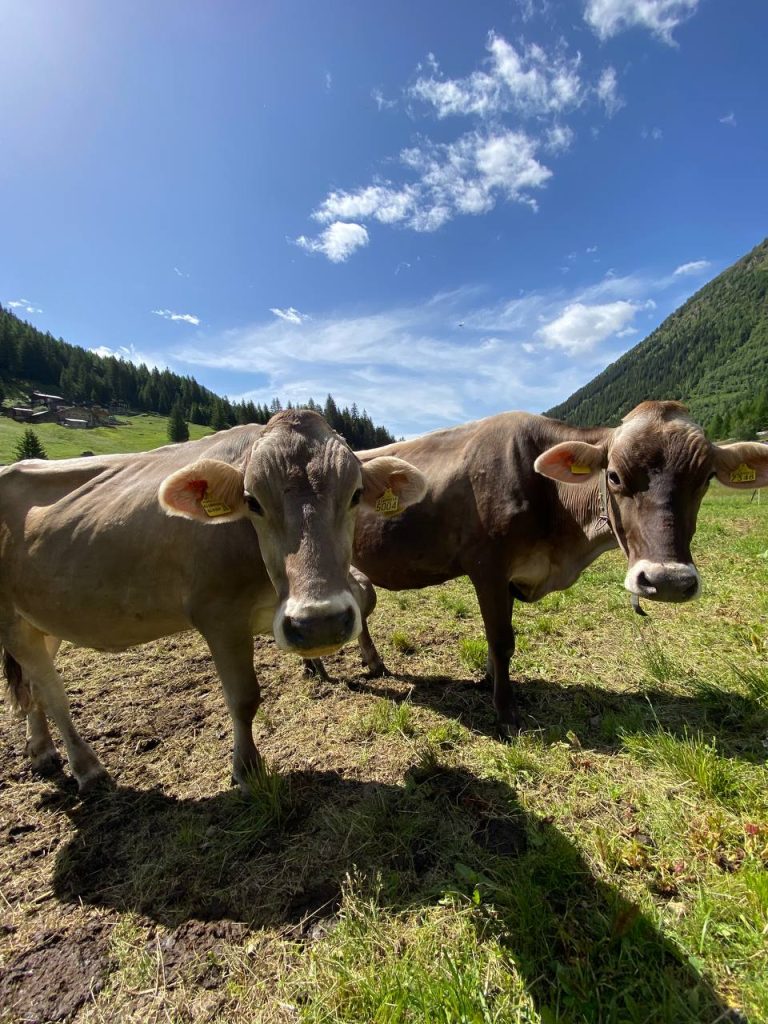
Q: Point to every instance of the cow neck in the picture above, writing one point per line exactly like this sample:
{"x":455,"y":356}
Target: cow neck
{"x":604,"y":517}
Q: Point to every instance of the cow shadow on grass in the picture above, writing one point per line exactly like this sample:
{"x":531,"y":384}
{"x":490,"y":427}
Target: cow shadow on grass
{"x":582,"y":950}
{"x":599,"y":718}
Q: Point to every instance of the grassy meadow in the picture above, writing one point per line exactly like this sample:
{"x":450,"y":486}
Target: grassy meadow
{"x":395,"y":862}
{"x":136,"y":432}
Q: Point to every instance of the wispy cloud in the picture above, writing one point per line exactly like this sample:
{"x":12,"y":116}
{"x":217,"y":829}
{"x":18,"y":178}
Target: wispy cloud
{"x":446,"y":359}
{"x":729,"y":119}
{"x":381,"y":101}
{"x":694,"y":267}
{"x":529,"y":81}
{"x":661,"y":17}
{"x":131,"y":355}
{"x":653,"y":134}
{"x":187,"y":318}
{"x":24,"y":305}
{"x":179,"y":273}
{"x":337,"y":242}
{"x":290,"y":315}
{"x":328,"y":81}
{"x":437,"y":181}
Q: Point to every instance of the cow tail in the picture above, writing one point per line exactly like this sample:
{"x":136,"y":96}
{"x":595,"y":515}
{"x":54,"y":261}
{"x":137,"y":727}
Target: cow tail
{"x":18,"y":686}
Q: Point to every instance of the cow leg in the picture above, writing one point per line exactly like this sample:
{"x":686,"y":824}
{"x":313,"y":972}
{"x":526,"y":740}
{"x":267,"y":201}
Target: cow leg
{"x":315,"y":669}
{"x":40,"y":748}
{"x":496,"y":610}
{"x":32,"y":650}
{"x":232,"y":651}
{"x":371,"y":657}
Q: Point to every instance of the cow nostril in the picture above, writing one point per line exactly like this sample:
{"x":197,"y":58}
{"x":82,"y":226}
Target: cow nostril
{"x":308,"y":632}
{"x":689,"y":590}
{"x":643,"y":581}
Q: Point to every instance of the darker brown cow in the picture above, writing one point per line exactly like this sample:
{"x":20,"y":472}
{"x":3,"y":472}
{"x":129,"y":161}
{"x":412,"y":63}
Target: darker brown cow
{"x":522,"y":504}
{"x":109,"y":551}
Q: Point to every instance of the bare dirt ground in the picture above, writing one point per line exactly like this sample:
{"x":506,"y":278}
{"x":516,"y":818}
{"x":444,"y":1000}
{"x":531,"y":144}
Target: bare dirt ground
{"x":171,"y":844}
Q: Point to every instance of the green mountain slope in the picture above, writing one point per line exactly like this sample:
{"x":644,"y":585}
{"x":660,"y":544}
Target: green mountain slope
{"x":712,"y":354}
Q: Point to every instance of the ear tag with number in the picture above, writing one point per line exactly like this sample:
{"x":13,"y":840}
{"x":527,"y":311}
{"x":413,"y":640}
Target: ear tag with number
{"x":743,"y":474}
{"x":388,"y":504}
{"x":214,"y":508}
{"x":577,"y":467}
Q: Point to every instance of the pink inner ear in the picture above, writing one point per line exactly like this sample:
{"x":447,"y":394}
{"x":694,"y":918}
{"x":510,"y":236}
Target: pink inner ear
{"x":199,"y":487}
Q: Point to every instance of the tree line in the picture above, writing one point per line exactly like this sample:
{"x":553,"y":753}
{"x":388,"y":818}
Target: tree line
{"x":36,"y":357}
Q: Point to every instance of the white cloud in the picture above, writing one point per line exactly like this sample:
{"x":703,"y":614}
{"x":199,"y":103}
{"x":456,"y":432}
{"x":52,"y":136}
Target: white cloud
{"x":607,"y":91}
{"x":729,"y":119}
{"x":558,"y":138}
{"x":187,"y":318}
{"x":661,"y":17}
{"x":530,"y":82}
{"x":131,"y":355}
{"x":179,"y":273}
{"x":381,"y":101}
{"x":24,"y":305}
{"x":591,"y":248}
{"x":337,"y":242}
{"x":580,"y":327}
{"x":694,"y":267}
{"x":462,"y":177}
{"x":471,"y":173}
{"x":328,"y":81}
{"x":290,"y":315}
{"x":654,"y":134}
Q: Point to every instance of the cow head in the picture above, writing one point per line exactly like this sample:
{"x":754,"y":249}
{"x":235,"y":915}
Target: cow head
{"x":656,"y":468}
{"x":300,"y":487}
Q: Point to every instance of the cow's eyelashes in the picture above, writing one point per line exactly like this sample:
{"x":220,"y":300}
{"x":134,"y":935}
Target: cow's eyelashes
{"x":614,"y":478}
{"x":253,"y":505}
{"x":356,"y":497}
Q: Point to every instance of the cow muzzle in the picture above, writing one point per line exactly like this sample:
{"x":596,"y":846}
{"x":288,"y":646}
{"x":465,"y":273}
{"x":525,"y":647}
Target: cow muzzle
{"x":314,"y":629}
{"x":663,"y":581}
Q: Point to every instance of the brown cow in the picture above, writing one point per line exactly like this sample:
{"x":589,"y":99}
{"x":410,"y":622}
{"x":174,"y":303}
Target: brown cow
{"x":89,"y":554}
{"x":522,"y":504}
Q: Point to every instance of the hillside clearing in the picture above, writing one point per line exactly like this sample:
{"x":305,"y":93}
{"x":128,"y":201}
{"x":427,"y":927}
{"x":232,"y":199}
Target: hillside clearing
{"x":397,"y":863}
{"x":137,"y":432}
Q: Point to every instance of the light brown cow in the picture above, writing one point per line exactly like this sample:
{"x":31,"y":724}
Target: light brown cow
{"x":522,"y":504}
{"x":89,"y":554}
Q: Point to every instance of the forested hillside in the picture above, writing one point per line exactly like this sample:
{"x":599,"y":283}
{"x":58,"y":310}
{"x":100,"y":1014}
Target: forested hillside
{"x":712,"y":354}
{"x":29,"y":357}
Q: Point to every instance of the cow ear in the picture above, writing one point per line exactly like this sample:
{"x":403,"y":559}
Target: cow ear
{"x":391,"y":485}
{"x":572,"y":462}
{"x":743,"y":465}
{"x":208,"y":491}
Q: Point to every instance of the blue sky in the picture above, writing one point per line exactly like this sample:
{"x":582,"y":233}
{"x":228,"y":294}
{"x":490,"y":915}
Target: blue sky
{"x":438,"y":211}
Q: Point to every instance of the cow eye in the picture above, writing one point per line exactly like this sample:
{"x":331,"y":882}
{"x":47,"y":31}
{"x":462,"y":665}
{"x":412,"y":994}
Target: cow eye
{"x":356,"y":497}
{"x":253,"y":505}
{"x":614,"y":478}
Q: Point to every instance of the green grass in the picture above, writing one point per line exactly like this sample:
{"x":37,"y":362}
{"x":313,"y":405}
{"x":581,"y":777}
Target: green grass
{"x":135,"y":433}
{"x":396,"y":863}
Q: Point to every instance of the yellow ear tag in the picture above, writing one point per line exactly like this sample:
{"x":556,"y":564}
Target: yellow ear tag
{"x":388,"y":504}
{"x":214,"y":508}
{"x":743,"y":474}
{"x":577,"y":467}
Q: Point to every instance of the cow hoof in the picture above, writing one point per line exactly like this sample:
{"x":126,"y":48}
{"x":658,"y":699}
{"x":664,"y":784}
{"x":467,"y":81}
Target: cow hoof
{"x":508,"y":731}
{"x":379,"y":671}
{"x":96,"y":781}
{"x":45,"y":763}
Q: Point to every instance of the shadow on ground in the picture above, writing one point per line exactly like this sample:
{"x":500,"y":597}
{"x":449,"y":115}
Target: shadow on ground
{"x":584,"y":951}
{"x":597,"y":716}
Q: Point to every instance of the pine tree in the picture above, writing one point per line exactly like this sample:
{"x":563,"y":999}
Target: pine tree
{"x":178,"y":430}
{"x":29,"y":447}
